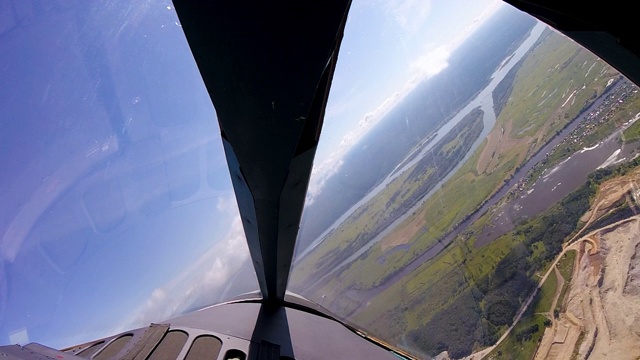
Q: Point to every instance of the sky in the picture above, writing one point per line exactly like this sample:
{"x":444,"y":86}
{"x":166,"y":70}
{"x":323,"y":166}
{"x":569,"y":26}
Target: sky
{"x":116,"y":193}
{"x":388,"y":48}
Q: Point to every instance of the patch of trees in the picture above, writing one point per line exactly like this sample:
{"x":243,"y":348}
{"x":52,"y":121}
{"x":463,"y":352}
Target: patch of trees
{"x":555,"y":225}
{"x":503,"y":90}
{"x":601,"y":175}
{"x":467,"y":130}
{"x":337,"y":255}
{"x":507,"y":287}
{"x":527,"y":334}
{"x":453,"y":329}
{"x":570,"y":59}
{"x":494,"y":300}
{"x":486,"y":333}
{"x":443,"y":161}
{"x":619,"y":213}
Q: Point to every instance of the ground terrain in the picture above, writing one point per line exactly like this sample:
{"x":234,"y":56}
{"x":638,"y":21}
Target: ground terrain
{"x":595,"y":289}
{"x":601,"y":317}
{"x":466,"y":298}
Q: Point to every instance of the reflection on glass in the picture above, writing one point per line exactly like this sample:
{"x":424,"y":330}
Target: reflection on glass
{"x":463,"y":176}
{"x":115,"y":190}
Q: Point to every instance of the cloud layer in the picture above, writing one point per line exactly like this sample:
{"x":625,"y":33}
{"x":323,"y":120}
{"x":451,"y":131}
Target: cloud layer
{"x":202,"y":284}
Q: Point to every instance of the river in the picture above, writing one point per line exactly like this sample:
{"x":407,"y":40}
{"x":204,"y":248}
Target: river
{"x":554,"y":184}
{"x":484,"y":100}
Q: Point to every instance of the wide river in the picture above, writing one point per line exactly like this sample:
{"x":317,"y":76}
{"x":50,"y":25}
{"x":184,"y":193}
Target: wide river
{"x":484,"y":100}
{"x":555,"y":183}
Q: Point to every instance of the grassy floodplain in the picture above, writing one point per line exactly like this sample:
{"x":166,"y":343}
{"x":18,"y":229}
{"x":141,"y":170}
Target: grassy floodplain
{"x":466,"y":295}
{"x":633,"y":132}
{"x":523,"y":340}
{"x":544,"y":298}
{"x":512,"y":349}
{"x":469,"y":186}
{"x":565,"y":266}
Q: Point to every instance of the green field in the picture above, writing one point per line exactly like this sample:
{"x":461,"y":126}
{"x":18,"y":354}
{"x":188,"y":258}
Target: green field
{"x":563,"y":69}
{"x":633,"y":132}
{"x":480,"y":290}
{"x":390,"y":203}
{"x":465,"y":297}
{"x":512,"y":349}
{"x":565,"y":265}
{"x":544,"y":298}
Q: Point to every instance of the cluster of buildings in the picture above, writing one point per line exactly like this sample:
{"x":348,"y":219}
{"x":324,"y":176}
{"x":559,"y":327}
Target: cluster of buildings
{"x":580,"y":137}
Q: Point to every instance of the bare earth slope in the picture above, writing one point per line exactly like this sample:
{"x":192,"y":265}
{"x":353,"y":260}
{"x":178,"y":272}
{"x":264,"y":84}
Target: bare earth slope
{"x":604,"y":299}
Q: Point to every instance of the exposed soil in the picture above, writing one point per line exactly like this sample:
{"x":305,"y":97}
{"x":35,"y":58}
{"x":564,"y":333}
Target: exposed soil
{"x":602,"y":318}
{"x":558,"y":332}
{"x":603,"y":301}
{"x":610,"y":192}
{"x":499,"y":142}
{"x":404,"y":235}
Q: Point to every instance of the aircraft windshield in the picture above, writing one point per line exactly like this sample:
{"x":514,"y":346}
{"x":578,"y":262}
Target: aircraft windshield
{"x":117,"y":206}
{"x":475,"y":190}
{"x":467,"y":152}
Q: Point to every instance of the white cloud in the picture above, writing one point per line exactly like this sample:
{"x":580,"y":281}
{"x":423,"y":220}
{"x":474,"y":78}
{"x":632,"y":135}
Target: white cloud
{"x":424,"y":67}
{"x":322,"y":171}
{"x":410,"y":14}
{"x":431,"y":63}
{"x":204,"y":282}
{"x":320,"y":174}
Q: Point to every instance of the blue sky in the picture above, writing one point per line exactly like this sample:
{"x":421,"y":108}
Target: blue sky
{"x":117,"y":205}
{"x":116,"y":194}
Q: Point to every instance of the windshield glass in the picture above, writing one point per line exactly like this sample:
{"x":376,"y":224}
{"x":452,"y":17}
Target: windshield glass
{"x":116,"y":196}
{"x":469,"y":160}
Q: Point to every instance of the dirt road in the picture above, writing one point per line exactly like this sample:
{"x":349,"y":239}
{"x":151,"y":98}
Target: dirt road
{"x":632,"y":311}
{"x":605,"y":297}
